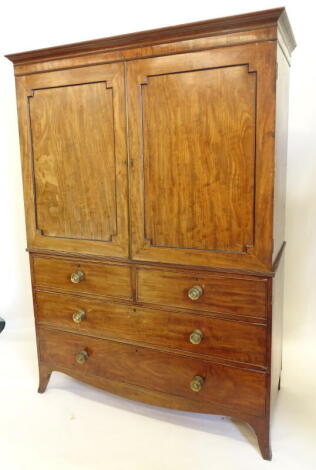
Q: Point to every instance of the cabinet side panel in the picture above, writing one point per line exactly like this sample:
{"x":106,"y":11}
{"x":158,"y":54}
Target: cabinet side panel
{"x":282,"y":100}
{"x":277,"y":329}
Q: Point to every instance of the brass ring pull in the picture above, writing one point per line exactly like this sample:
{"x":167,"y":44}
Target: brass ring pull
{"x":196,"y":337}
{"x":195,"y":292}
{"x":79,"y":315}
{"x":197,"y":383}
{"x":82,"y":357}
{"x":77,"y":277}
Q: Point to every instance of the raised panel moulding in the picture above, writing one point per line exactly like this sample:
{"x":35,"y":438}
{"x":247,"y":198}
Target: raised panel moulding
{"x":179,"y":111}
{"x":61,"y":164}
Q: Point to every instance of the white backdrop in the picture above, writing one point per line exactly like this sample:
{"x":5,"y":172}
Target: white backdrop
{"x":37,"y":24}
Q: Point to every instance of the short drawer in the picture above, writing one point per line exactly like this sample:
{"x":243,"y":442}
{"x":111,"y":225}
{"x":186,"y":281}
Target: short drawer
{"x":233,"y":387}
{"x":209,"y":293}
{"x":227,"y":339}
{"x":102,"y":279}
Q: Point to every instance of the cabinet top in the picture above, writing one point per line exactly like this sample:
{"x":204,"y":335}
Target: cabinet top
{"x":231,"y":24}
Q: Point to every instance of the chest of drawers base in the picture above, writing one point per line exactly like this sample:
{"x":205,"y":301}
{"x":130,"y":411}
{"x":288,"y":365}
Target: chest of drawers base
{"x":209,"y":354}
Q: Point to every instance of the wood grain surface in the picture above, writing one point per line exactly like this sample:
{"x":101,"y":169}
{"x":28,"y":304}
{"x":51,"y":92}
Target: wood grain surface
{"x":224,"y":295}
{"x":185,"y":172}
{"x":224,"y":339}
{"x":268,"y":33}
{"x":74,"y":157}
{"x":99,"y":278}
{"x":74,"y":161}
{"x":163,"y":372}
{"x":205,"y":183}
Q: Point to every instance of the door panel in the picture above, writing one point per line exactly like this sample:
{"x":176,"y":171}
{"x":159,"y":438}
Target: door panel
{"x":201,"y":141}
{"x":193,"y":123}
{"x":70,"y":169}
{"x":73,"y":124}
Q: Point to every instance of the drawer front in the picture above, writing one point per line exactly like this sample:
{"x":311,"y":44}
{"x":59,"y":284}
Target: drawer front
{"x":102,"y":279}
{"x":240,"y":389}
{"x":217,"y":294}
{"x":227,"y":339}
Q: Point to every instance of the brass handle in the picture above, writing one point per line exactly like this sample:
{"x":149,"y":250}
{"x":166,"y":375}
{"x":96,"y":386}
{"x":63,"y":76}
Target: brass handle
{"x":79,"y":315}
{"x":77,"y":277}
{"x":197,"y":383}
{"x":196,"y":337}
{"x":82,"y":357}
{"x":195,"y":292}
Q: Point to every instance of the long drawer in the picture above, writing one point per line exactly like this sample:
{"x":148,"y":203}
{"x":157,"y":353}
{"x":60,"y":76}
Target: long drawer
{"x":202,"y":292}
{"x":111,"y":280}
{"x":232,"y":340}
{"x":166,"y":372}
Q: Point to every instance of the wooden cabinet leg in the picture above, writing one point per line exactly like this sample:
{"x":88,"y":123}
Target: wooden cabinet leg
{"x":261,"y":427}
{"x":44,"y":376}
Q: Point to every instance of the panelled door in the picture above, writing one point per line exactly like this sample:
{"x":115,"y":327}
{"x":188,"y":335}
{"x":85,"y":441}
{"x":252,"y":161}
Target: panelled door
{"x":201,"y":140}
{"x":72,"y":126}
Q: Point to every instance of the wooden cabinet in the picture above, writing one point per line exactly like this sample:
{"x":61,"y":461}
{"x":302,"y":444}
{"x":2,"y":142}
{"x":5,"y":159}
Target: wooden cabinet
{"x":154,"y":181}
